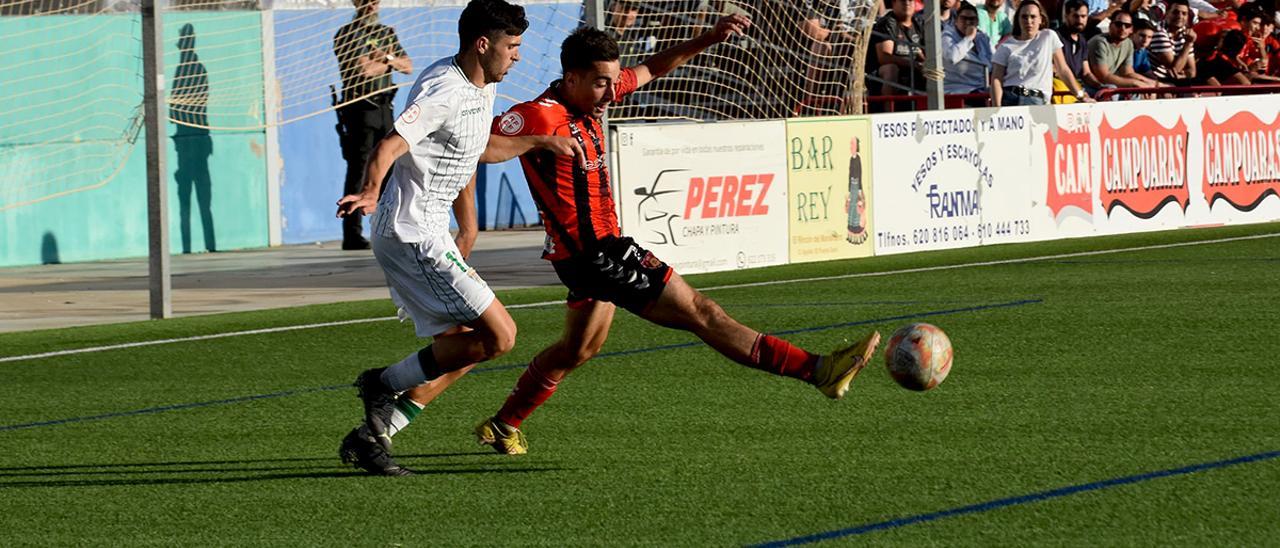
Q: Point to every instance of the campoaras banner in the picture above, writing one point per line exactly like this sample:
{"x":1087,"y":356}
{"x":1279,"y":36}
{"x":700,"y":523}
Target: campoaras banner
{"x":1157,"y":165}
{"x":705,"y":197}
{"x":1241,"y":159}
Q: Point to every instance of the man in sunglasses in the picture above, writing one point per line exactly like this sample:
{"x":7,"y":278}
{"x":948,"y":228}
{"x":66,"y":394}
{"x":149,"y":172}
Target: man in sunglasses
{"x":1111,"y":56}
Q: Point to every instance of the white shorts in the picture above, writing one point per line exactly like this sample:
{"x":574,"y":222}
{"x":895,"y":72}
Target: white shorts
{"x":430,"y":281}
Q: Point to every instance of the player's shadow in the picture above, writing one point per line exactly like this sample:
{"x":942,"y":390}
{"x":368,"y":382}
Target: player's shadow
{"x":189,"y":111}
{"x":229,"y":471}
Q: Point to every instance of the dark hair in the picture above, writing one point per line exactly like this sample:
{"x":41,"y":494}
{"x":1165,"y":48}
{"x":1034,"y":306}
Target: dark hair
{"x":1250,"y":11}
{"x":488,"y":17}
{"x":1171,"y":3}
{"x":1232,"y":42}
{"x":1017,"y":20}
{"x":586,"y":46}
{"x":1142,"y":24}
{"x":1073,"y":5}
{"x":965,"y":6}
{"x":1123,"y":12}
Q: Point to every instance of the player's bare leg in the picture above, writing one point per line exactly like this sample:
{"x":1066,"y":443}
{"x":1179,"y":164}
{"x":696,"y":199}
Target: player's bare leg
{"x":585,"y":331}
{"x":489,"y":336}
{"x":424,"y":394}
{"x":682,"y":307}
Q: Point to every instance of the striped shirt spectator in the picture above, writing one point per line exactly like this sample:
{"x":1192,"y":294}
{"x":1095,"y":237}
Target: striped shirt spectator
{"x":1173,"y":46}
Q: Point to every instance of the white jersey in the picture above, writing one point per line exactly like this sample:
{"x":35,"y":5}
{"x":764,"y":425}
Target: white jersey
{"x":446,"y":123}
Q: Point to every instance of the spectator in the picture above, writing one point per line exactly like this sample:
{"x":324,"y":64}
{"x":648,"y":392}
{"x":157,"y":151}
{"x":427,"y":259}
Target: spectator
{"x":1261,"y":47}
{"x":966,"y":53}
{"x":899,"y":49}
{"x":1100,"y":12}
{"x":1269,"y":25}
{"x":828,"y":27}
{"x":628,"y":30}
{"x":993,"y":20}
{"x":1111,"y":55}
{"x":947,"y":10}
{"x":1023,"y":66}
{"x":1075,"y":48}
{"x":1143,"y":31}
{"x":1173,"y":45}
{"x":1203,"y":9}
{"x":1200,"y":9}
{"x":1140,"y":10}
{"x":1220,"y":68}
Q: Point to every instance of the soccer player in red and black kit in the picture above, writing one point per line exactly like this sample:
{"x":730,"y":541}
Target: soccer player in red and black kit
{"x":601,"y":268}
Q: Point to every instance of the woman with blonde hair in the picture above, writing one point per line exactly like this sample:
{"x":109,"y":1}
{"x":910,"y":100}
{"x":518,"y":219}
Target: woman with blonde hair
{"x":1024,"y":64}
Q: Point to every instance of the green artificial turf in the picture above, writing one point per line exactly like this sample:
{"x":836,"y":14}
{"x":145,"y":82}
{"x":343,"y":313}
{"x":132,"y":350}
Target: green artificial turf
{"x":1067,"y":372}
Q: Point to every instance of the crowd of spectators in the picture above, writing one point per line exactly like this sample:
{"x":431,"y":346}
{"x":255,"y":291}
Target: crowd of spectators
{"x":1004,"y":51}
{"x":1079,"y":48}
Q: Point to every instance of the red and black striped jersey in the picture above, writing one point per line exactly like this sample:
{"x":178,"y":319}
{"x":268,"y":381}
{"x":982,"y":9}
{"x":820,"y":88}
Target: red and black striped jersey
{"x":576,"y":203}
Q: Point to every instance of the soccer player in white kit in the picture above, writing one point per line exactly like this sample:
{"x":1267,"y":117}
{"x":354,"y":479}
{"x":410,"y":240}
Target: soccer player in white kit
{"x":444,"y":130}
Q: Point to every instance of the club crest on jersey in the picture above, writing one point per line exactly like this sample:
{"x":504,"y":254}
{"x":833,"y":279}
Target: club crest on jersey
{"x":650,"y":261}
{"x":511,"y":123}
{"x":411,"y":114}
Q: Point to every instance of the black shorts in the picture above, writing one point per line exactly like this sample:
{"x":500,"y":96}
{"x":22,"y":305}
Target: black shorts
{"x":617,"y":271}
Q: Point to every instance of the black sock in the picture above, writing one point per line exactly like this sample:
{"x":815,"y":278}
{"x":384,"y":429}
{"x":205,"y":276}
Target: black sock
{"x":427,"y":360}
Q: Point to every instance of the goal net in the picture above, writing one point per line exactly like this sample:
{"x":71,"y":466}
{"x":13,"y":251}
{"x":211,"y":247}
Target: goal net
{"x":72,"y":90}
{"x":305,"y":67}
{"x":70,"y":117}
{"x":800,"y":58}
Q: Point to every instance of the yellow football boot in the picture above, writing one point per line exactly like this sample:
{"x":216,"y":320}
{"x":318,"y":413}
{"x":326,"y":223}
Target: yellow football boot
{"x":836,"y":370}
{"x":504,"y":439}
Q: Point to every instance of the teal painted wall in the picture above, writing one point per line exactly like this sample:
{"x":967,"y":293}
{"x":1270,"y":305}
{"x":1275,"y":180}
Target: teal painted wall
{"x":72,"y":182}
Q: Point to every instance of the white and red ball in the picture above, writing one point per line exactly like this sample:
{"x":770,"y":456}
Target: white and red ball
{"x":918,"y":356}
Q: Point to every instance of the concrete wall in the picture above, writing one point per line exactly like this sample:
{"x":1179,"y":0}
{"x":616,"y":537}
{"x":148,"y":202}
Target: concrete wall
{"x":71,"y":154}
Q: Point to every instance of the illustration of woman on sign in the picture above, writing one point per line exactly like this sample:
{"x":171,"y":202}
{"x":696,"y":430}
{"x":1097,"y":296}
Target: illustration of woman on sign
{"x":855,"y":204}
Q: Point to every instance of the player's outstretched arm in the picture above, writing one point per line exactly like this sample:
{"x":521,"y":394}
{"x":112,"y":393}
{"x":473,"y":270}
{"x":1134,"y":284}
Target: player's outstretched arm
{"x":375,"y":170}
{"x":502,"y":148}
{"x":668,"y":59}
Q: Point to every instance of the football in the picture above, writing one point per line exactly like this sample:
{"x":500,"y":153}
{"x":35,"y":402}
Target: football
{"x":918,"y":356}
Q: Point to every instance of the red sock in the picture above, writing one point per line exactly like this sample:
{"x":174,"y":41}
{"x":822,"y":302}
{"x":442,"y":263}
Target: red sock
{"x":780,"y":357}
{"x":533,"y":388}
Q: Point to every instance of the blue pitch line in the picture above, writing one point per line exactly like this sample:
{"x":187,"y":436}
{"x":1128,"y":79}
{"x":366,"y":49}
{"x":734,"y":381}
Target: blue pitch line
{"x":495,"y":368}
{"x":174,"y":407}
{"x":1023,"y":499}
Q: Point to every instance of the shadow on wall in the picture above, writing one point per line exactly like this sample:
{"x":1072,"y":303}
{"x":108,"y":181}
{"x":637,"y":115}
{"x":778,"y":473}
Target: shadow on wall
{"x":189,"y":110}
{"x":49,"y":249}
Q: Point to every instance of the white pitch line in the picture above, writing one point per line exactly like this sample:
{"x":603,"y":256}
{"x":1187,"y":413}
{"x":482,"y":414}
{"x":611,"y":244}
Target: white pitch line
{"x":712,"y":288}
{"x":995,"y":263}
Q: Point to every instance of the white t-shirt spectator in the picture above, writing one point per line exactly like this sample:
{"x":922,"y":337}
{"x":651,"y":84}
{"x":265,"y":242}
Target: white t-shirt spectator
{"x":1029,"y":63}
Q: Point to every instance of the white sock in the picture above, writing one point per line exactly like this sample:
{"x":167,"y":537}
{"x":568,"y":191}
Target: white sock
{"x":404,"y":375}
{"x":406,"y":411}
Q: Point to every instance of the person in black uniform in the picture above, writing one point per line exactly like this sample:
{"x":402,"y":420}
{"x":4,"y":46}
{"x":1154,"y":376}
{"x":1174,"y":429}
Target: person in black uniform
{"x":367,"y":51}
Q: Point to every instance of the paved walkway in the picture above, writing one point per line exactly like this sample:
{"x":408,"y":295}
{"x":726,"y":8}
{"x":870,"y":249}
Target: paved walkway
{"x":41,"y":297}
